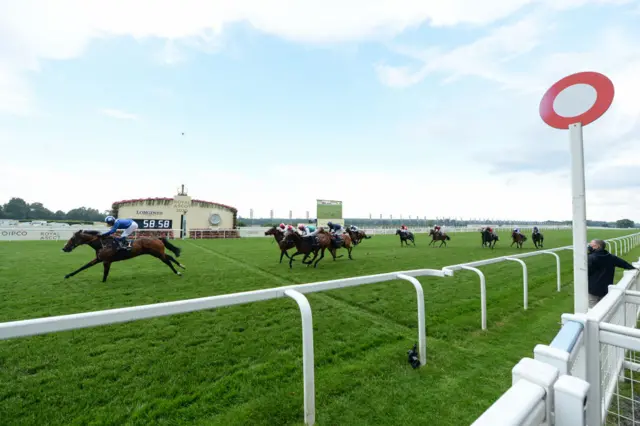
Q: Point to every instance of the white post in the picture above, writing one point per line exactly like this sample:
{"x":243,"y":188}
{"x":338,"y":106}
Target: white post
{"x":592,"y":352}
{"x":580,"y":271}
{"x":307,"y":356}
{"x":570,"y":395}
{"x":558,"y":269}
{"x":422,"y":326}
{"x":483,"y":294}
{"x":525,"y":282}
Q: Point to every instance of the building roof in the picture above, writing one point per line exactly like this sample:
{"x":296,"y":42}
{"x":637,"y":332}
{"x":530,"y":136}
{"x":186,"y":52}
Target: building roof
{"x":138,"y":200}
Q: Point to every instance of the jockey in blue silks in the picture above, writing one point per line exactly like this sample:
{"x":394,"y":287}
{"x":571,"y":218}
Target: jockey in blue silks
{"x":335,"y":228}
{"x":128,"y":225}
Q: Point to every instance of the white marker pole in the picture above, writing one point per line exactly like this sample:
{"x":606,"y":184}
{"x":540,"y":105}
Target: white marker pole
{"x":580,"y":264}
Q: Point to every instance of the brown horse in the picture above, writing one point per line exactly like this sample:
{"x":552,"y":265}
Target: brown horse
{"x":305,"y":246}
{"x":282,"y":244}
{"x":357,"y":236}
{"x":345,"y":242}
{"x":518,"y":239}
{"x":106,"y":253}
{"x":436,"y":236}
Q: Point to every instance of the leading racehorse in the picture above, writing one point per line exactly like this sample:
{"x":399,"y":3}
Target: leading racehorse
{"x":282,"y":244}
{"x":404,"y":236}
{"x":436,"y":236}
{"x":339,"y":241}
{"x":107,"y":253}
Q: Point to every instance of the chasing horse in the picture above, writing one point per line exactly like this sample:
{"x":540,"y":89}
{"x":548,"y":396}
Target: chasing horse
{"x":321,"y":241}
{"x":518,"y":238}
{"x":108,"y":250}
{"x":489,"y":238}
{"x":438,"y":236}
{"x":537,"y":237}
{"x":357,"y":235}
{"x":338,"y":240}
{"x":405,"y":235}
{"x":284,"y":246}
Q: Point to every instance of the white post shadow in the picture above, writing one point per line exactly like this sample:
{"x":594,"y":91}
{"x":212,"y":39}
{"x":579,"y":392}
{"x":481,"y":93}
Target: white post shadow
{"x":525,"y":280}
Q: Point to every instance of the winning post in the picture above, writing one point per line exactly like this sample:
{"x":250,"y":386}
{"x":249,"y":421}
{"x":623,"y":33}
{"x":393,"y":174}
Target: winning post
{"x":572,"y":100}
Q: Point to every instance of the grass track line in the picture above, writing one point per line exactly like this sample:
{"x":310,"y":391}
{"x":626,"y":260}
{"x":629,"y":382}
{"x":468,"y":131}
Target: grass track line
{"x":356,"y":309}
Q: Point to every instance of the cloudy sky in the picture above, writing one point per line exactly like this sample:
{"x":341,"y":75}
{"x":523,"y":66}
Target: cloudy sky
{"x":412,"y":107}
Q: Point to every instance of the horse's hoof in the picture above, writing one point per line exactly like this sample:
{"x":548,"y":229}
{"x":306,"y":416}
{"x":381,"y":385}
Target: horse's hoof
{"x":66,"y":276}
{"x":179,"y":273}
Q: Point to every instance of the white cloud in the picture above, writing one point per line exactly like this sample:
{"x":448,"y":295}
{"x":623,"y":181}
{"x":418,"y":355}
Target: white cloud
{"x":63,"y":29}
{"x":116,"y":113}
{"x":484,"y":57}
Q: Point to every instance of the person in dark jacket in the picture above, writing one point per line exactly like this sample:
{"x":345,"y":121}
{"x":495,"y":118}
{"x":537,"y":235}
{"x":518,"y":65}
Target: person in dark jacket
{"x":602,"y":265}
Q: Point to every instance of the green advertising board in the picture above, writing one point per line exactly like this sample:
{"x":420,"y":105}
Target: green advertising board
{"x":329,"y":210}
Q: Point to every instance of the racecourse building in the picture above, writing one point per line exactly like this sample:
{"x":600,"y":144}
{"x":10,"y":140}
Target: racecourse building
{"x":179,"y":216}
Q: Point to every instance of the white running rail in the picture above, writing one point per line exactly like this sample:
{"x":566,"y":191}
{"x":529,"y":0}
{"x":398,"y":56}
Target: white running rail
{"x":297,"y":292}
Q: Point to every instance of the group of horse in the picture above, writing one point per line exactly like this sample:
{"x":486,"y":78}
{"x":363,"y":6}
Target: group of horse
{"x":107,"y":252}
{"x":323,"y":240}
{"x":406,"y":235}
{"x":489,"y":239}
{"x":312,"y":245}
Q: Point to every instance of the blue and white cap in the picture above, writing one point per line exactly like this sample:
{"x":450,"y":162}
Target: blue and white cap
{"x":109,"y":219}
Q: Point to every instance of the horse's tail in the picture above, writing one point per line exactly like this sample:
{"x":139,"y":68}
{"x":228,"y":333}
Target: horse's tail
{"x":170,"y":246}
{"x":447,"y":237}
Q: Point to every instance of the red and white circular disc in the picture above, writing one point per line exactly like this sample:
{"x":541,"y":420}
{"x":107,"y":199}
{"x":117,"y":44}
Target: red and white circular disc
{"x":604,"y":92}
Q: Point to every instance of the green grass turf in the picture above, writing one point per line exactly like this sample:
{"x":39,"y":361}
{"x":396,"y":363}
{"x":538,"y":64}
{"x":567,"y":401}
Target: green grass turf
{"x":242,"y":365}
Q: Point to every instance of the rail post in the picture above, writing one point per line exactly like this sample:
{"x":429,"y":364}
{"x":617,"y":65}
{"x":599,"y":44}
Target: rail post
{"x":422,"y":323}
{"x":558,"y":269}
{"x":525,"y":280}
{"x":483,"y":293}
{"x":307,"y":356}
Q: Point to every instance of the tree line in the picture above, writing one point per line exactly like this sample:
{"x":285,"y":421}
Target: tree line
{"x":19,"y":209}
